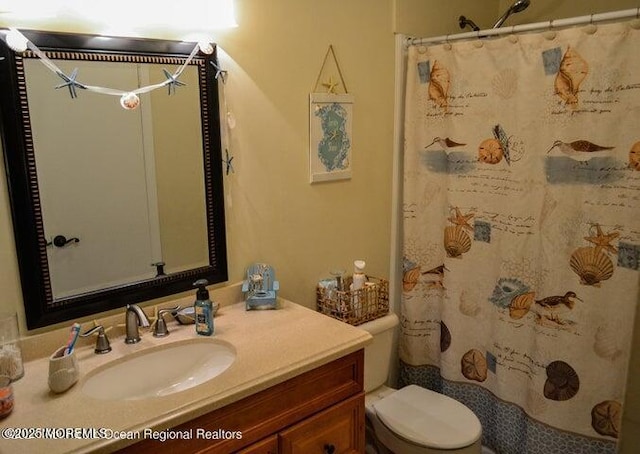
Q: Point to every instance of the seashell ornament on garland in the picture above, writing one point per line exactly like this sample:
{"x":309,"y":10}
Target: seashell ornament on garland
{"x":592,"y":265}
{"x":129,"y":101}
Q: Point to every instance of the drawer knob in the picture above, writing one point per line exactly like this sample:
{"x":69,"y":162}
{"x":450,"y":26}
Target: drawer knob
{"x":329,"y":449}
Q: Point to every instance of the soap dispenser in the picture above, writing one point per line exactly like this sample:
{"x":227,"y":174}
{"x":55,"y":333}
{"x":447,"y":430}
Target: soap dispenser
{"x":203,"y":308}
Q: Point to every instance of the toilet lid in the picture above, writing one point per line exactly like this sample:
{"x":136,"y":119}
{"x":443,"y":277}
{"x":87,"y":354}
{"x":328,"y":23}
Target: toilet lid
{"x":428,"y":418}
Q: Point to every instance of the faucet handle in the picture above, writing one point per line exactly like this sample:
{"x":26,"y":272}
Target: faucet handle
{"x":102,"y":342}
{"x":160,"y":329}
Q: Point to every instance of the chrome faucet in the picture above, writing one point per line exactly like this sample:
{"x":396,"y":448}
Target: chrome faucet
{"x":102,"y":342}
{"x":160,"y":329}
{"x":134,"y":317}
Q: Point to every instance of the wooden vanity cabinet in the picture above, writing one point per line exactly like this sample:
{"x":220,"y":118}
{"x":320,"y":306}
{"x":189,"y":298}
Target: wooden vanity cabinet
{"x":320,"y":411}
{"x":332,"y":431}
{"x":267,"y":446}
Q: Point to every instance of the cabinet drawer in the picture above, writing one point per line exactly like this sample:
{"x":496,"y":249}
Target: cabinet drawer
{"x":267,"y":446}
{"x":337,"y":430}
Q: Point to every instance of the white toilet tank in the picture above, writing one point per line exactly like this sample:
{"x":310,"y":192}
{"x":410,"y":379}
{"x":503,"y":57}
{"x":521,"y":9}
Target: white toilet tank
{"x":377,"y":355}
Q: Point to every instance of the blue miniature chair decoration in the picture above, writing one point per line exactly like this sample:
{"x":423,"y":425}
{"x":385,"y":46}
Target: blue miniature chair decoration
{"x":260,"y":287}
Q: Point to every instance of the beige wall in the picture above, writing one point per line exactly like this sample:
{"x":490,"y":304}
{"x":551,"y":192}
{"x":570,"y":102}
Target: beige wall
{"x":274,"y":214}
{"x":424,"y":18}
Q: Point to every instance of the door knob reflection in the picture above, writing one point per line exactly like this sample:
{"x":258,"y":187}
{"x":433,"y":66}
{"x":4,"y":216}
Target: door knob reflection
{"x":62,"y":241}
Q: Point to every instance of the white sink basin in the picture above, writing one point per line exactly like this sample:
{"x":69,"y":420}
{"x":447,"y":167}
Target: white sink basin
{"x":160,"y":371}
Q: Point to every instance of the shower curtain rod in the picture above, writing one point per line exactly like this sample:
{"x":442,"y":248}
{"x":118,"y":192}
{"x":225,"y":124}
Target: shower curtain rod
{"x":580,"y":20}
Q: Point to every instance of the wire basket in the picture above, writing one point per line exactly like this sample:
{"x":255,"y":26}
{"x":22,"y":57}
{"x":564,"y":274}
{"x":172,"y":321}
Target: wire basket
{"x":357,"y":306}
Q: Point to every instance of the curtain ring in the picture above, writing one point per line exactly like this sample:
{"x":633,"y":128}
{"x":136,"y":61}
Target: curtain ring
{"x":477,"y":43}
{"x":550,"y":34}
{"x":591,"y":28}
{"x":512,"y":36}
{"x":447,"y":44}
{"x":635,"y":23}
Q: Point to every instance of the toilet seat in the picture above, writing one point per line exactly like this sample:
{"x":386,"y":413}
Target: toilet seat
{"x":429,"y":419}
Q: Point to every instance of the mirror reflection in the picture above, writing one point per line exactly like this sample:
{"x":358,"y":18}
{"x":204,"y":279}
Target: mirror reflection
{"x":111,"y":206}
{"x":126,"y":185}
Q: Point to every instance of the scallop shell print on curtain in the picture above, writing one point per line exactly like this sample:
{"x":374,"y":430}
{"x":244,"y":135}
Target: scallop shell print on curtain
{"x":521,"y":232}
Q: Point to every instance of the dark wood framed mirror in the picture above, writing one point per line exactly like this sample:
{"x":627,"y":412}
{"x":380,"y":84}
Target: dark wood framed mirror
{"x":180,"y":236}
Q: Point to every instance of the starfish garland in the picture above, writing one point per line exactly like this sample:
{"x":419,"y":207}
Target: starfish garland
{"x":602,"y":240}
{"x":228,"y":162}
{"x":331,"y":85}
{"x":461,"y":219}
{"x":70,"y":82}
{"x":173,"y":82}
{"x":220,"y":73}
{"x":21,"y":44}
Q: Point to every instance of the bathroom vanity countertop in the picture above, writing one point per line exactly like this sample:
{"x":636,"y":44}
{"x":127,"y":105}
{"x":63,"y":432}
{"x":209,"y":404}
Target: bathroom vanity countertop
{"x":271,"y":347}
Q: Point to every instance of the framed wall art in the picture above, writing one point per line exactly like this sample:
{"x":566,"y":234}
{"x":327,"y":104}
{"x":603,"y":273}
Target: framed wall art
{"x":330,"y":126}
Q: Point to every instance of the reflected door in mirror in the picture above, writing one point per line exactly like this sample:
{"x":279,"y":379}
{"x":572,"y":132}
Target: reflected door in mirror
{"x":97,"y":167}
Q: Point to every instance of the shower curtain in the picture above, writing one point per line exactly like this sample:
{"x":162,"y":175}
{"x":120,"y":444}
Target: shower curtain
{"x":521,"y":232}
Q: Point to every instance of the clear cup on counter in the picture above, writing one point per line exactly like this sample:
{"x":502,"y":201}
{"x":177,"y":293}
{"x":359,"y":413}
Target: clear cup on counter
{"x":10,"y":352}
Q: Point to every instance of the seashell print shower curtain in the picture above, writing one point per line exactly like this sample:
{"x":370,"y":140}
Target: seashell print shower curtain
{"x":522,"y":232}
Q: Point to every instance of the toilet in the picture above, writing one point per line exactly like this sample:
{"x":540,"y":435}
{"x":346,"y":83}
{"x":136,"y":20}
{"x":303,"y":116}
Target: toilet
{"x":412,"y":420}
